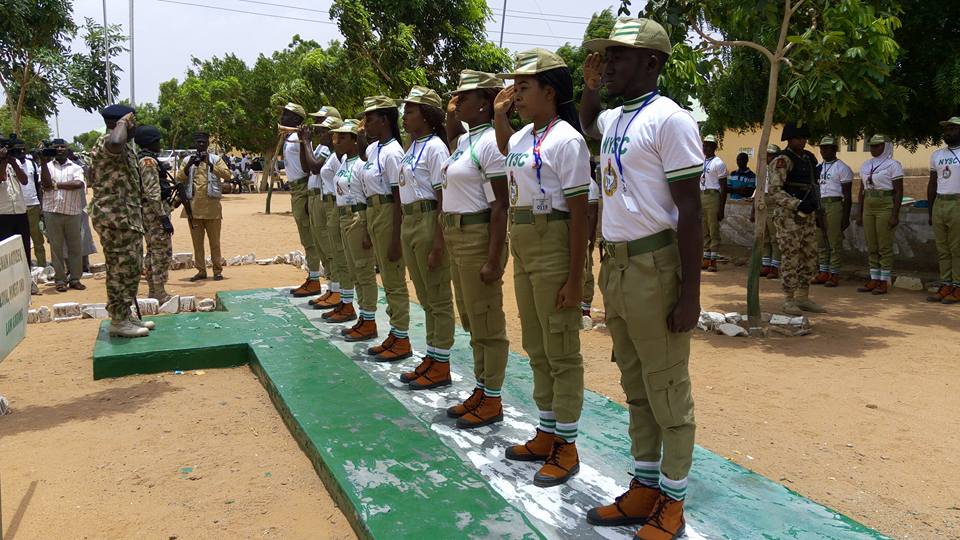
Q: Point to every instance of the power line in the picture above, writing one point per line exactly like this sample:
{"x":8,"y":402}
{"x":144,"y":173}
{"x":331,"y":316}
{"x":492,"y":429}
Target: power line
{"x":271,"y":4}
{"x":246,"y":12}
{"x":536,"y":35}
{"x":515,"y":11}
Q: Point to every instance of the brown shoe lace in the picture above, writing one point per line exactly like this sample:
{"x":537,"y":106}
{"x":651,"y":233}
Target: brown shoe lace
{"x":656,"y":517}
{"x":554,"y":457}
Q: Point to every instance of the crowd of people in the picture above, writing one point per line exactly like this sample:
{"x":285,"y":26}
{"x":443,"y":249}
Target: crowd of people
{"x":438,"y":209}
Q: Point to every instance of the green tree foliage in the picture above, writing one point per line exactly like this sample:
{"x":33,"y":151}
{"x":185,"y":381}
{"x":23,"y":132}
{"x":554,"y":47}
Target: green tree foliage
{"x":86,"y":72}
{"x":32,"y":130}
{"x":85,"y":141}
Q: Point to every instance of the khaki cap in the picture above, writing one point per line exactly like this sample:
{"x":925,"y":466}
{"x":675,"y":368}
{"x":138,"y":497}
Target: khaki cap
{"x":952,"y":121}
{"x":372,"y":103}
{"x":710,"y":138}
{"x":828,"y":141}
{"x":348,"y":126}
{"x":331,"y":122}
{"x":296,"y":109}
{"x":533,"y":62}
{"x":636,"y":34}
{"x":878,"y":139}
{"x":476,"y":80}
{"x":773,"y":149}
{"x":326,"y":111}
{"x":421,"y":95}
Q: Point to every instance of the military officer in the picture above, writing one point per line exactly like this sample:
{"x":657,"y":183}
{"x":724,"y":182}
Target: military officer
{"x":158,"y":230}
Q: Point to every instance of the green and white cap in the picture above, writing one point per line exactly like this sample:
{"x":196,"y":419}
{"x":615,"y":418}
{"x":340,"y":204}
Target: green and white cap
{"x":878,"y":139}
{"x":326,"y":111}
{"x":296,"y":109}
{"x":533,"y":62}
{"x":348,"y":126}
{"x":710,"y":138}
{"x":828,"y":141}
{"x":634,"y":33}
{"x":421,"y":95}
{"x":373,"y":103}
{"x":952,"y":121}
{"x":476,"y":80}
{"x":331,"y":122}
{"x":773,"y":149}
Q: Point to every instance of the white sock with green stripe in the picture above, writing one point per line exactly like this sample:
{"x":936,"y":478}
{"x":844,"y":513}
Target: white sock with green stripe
{"x":584,"y":306}
{"x":675,"y":489}
{"x":567,"y":431}
{"x":834,"y":270}
{"x":313,"y":275}
{"x":346,"y":296}
{"x":706,"y":255}
{"x":886,"y":275}
{"x":824,"y":268}
{"x":775,"y":263}
{"x":548,"y":422}
{"x":765,"y":261}
{"x":334,"y":286}
{"x":368,"y":315}
{"x":491,"y":392}
{"x":647,"y":473}
{"x":440,"y":355}
{"x":399,"y":334}
{"x":875,"y":274}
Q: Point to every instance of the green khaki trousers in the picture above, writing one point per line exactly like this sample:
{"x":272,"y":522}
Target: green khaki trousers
{"x":392,"y":273}
{"x":66,"y":245}
{"x":771,"y":246}
{"x":36,"y":235}
{"x":211,"y":229}
{"x":710,"y":204}
{"x":353,"y":227}
{"x":300,"y":202}
{"x":432,"y":286}
{"x":318,"y":209}
{"x":831,"y":235}
{"x":639,"y":293}
{"x":551,"y":338}
{"x":339,"y":271}
{"x":589,"y":284}
{"x":879,"y":235}
{"x":946,"y":232}
{"x":123,"y":253}
{"x":479,"y":304}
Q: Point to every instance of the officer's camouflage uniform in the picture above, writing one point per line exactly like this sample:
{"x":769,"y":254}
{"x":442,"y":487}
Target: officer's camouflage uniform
{"x":796,"y":234}
{"x":159,"y":243}
{"x":117,"y":218}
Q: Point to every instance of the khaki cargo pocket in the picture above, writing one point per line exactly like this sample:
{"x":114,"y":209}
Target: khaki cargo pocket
{"x":479,"y":317}
{"x":669,"y":395}
{"x":564,"y":329}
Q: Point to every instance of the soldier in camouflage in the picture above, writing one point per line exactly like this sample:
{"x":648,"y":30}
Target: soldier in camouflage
{"x":793,"y":188}
{"x":117,"y":217}
{"x":158,"y":230}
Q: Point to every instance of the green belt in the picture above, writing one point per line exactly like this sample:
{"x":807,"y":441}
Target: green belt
{"x":329,"y":198}
{"x":876,"y":193}
{"x":378,"y":200}
{"x":460,"y":220}
{"x":419,"y":207}
{"x":711,"y":191}
{"x":347,"y":210}
{"x":298,"y":180}
{"x":525,"y":216}
{"x":949,"y":197}
{"x":646,"y":244}
{"x":831,"y":199}
{"x":316,"y":191}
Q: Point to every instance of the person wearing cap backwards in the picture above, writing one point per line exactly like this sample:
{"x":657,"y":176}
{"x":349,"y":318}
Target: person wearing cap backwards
{"x":202,"y":174}
{"x":63,"y":187}
{"x":358,"y":250}
{"x":158,"y":230}
{"x":793,"y":189}
{"x":117,"y":217}
{"x":421,"y":234}
{"x":474,"y":220}
{"x":943,"y":192}
{"x":652,"y":161}
{"x":548,"y":172}
{"x":881,"y":193}
{"x":298,"y":175}
{"x":713,"y":200}
{"x":771,"y":245}
{"x":836,"y":199}
{"x":380,"y":172}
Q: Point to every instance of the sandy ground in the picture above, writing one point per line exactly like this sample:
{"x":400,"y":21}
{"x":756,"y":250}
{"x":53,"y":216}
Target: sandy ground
{"x":860,"y":416}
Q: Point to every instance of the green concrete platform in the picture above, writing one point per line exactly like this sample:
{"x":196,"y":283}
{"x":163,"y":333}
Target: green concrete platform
{"x":398,"y":468}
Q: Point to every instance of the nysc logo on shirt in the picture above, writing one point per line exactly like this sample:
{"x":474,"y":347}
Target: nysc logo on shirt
{"x":405,"y":165}
{"x":609,"y":179}
{"x":517,"y":159}
{"x":610,"y":144}
{"x":514,"y":190}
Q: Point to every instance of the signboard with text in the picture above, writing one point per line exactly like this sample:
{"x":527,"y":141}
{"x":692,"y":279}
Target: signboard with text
{"x":14,"y":294}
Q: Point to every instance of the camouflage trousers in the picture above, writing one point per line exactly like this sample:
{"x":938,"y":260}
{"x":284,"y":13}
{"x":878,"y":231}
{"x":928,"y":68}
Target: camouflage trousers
{"x":159,"y":256}
{"x":797,"y":237}
{"x":123,"y":251}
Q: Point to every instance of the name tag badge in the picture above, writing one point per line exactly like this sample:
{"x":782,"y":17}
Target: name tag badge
{"x":541,"y":205}
{"x":630,"y":202}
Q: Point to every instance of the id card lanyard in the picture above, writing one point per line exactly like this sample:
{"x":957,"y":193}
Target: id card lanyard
{"x":379,"y":163}
{"x":824,"y":174}
{"x":471,"y":144}
{"x":619,"y":138}
{"x":413,"y":169}
{"x":872,"y":170}
{"x":538,"y":162}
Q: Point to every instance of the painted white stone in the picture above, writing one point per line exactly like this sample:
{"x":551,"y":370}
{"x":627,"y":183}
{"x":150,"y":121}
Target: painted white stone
{"x":94,"y":311}
{"x":249,"y":258}
{"x":99,"y":267}
{"x":234,"y":261}
{"x":33,"y":316}
{"x":909,"y":283}
{"x":148,"y":306}
{"x":172,"y":305}
{"x":733,"y":318}
{"x":4,"y":406}
{"x":45,"y":314}
{"x":731,"y":330}
{"x":66,"y":311}
{"x":207,"y":304}
{"x":709,"y":320}
{"x":280,"y":259}
{"x":100,"y":275}
{"x":188,"y":303}
{"x":586,"y":323}
{"x":264,"y":262}
{"x":86,"y":275}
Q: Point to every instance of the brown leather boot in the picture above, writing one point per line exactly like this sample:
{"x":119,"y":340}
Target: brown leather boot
{"x":363,"y":331}
{"x":869,"y":286}
{"x":343,"y":313}
{"x":562,"y":463}
{"x":400,"y":349}
{"x":387,"y":343}
{"x":952,"y":298}
{"x":713,"y":266}
{"x":322,"y":299}
{"x":468,"y":404}
{"x":834,"y":281}
{"x":488,"y":411}
{"x":437,"y":375}
{"x":945,"y":291}
{"x":774,"y":273}
{"x":882,"y":287}
{"x":820,"y":278}
{"x":631,"y":508}
{"x":705,"y":264}
{"x":665,"y":522}
{"x":764,"y":271}
{"x":411,"y":376}
{"x":536,"y":449}
{"x":310,"y":287}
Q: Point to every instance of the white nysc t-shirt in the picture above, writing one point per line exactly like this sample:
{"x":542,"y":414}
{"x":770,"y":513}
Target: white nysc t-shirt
{"x":946,"y":163}
{"x":564,"y":167}
{"x":328,"y":174}
{"x":291,"y":158}
{"x":833,"y":176}
{"x":320,"y":153}
{"x":469,"y":170}
{"x":349,"y":186}
{"x":382,"y":165}
{"x":421,"y":169}
{"x":714,"y":170}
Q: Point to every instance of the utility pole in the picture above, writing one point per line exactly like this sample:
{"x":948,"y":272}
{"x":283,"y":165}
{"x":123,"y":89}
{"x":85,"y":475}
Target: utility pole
{"x":106,"y":55}
{"x":503,"y":20}
{"x":133,"y":98}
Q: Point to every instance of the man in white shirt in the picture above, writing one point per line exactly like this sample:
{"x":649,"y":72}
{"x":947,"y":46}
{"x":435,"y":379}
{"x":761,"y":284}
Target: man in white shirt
{"x":13,"y":210}
{"x":32,"y":199}
{"x":63,"y":186}
{"x":713,"y":198}
{"x":836,"y":200}
{"x":943,"y":192}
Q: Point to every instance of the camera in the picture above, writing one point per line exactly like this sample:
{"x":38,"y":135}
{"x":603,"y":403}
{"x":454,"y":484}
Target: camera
{"x":48,"y":152}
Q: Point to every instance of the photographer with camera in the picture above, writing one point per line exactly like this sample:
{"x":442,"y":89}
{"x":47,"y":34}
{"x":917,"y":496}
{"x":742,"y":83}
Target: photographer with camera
{"x":31,"y":196}
{"x":63,"y":185}
{"x":13,"y":209}
{"x":158,"y":230}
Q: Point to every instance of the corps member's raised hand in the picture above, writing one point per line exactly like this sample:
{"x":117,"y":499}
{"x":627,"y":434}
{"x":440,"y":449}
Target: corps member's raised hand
{"x":505,"y":99}
{"x":593,"y":71}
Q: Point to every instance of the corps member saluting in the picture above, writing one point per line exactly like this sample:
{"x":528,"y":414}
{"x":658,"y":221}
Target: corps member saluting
{"x":881,"y":193}
{"x":649,"y":275}
{"x":548,"y":173}
{"x":475,"y":201}
{"x":713,"y":200}
{"x":421,"y":236}
{"x":380,"y":171}
{"x":943,"y":192}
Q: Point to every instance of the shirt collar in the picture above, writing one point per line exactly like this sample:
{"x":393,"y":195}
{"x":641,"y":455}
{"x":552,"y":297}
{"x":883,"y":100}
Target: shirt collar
{"x":480,"y":128}
{"x":633,"y":104}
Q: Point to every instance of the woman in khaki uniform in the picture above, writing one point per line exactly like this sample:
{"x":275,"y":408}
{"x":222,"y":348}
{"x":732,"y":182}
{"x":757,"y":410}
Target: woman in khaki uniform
{"x":548,"y":169}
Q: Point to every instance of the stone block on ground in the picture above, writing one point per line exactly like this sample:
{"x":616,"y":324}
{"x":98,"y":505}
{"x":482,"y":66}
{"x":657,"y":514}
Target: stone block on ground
{"x":280,"y":259}
{"x":44,"y":314}
{"x":100,"y":275}
{"x":264,"y":262}
{"x":33,"y":316}
{"x":66,"y":311}
{"x":786,"y":320}
{"x":249,"y":258}
{"x":731,"y":330}
{"x":709,"y":320}
{"x":182,"y":260}
{"x":188,"y":303}
{"x":148,"y":306}
{"x":909,"y":283}
{"x":171,"y":306}
{"x":94,"y":311}
{"x":207,"y":304}
{"x":235,"y":261}
{"x":99,"y":267}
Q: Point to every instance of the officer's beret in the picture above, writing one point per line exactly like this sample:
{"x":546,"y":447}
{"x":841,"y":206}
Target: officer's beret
{"x":146,"y":135}
{"x":58,"y":142}
{"x":201,"y":136}
{"x":116,"y":111}
{"x":793,"y":131}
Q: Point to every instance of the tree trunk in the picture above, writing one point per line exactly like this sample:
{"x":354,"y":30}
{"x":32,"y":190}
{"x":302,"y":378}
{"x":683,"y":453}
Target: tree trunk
{"x":22,"y":98}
